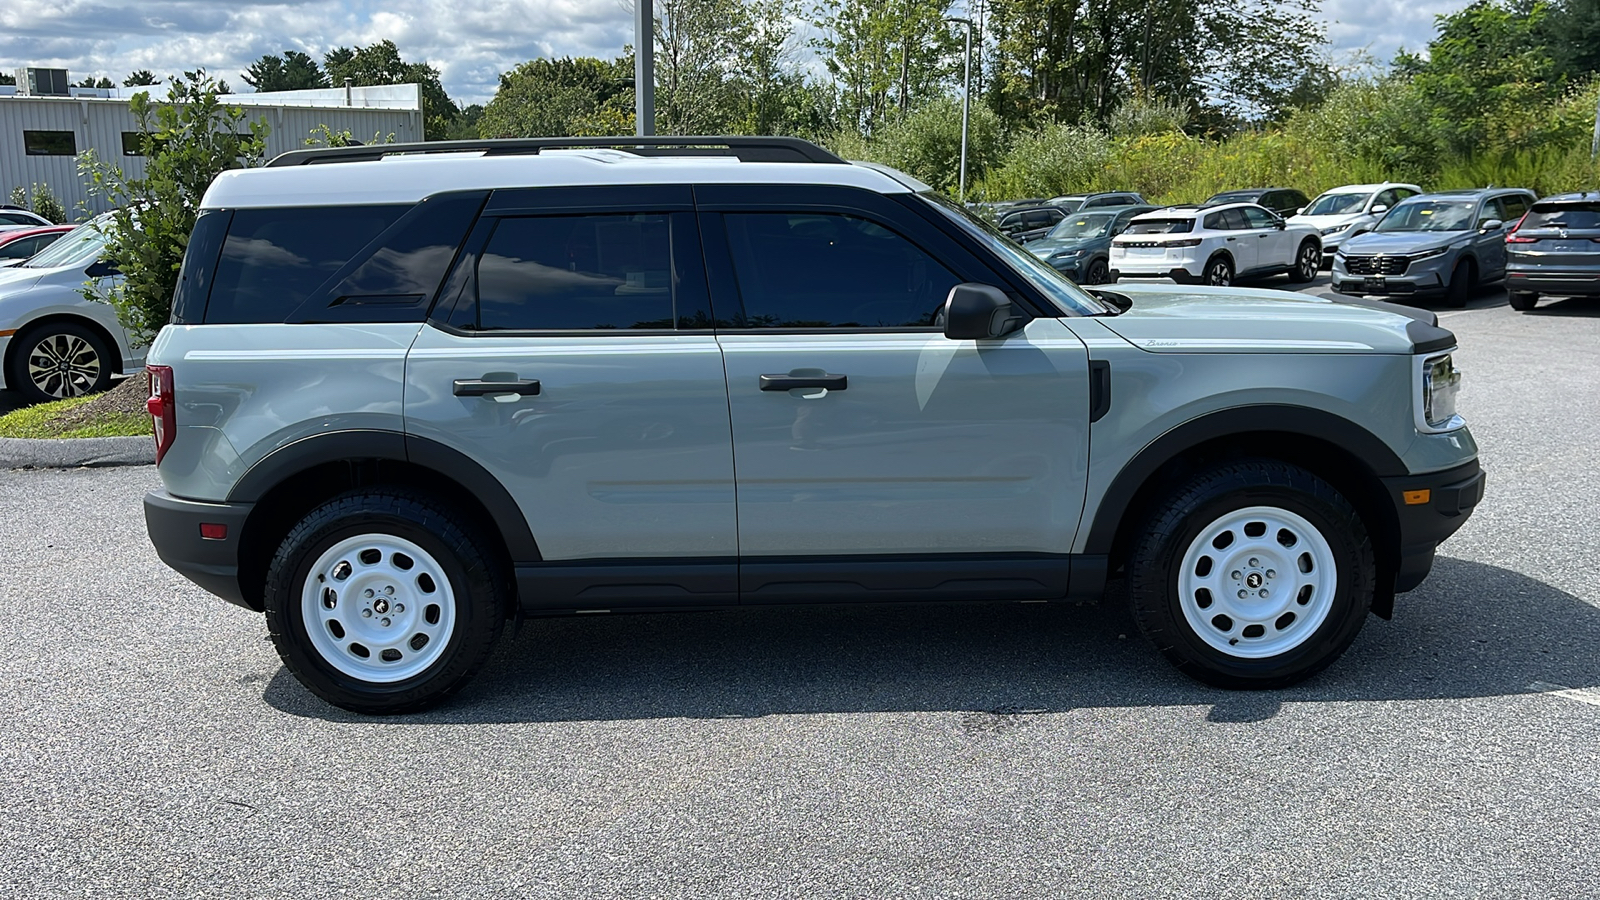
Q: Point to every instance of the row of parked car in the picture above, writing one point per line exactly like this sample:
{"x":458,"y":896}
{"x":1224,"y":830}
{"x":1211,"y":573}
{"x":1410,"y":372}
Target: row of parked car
{"x":1390,"y":240}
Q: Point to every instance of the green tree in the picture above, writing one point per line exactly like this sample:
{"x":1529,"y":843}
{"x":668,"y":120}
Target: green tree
{"x":187,"y":140}
{"x":92,"y":82}
{"x":42,"y":202}
{"x":885,"y":56}
{"x":293,"y":71}
{"x":380,"y":63}
{"x":562,"y":97}
{"x":139,"y":78}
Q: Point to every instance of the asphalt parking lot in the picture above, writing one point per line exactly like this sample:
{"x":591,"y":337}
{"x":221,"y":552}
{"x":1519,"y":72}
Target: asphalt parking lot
{"x":151,"y":745}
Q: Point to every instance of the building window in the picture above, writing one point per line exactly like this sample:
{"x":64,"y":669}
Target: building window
{"x":50,"y":143}
{"x":132,"y":143}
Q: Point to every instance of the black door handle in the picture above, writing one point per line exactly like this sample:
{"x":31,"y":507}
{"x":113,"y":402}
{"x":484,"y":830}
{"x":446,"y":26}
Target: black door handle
{"x":477,"y":387}
{"x":790,"y":382}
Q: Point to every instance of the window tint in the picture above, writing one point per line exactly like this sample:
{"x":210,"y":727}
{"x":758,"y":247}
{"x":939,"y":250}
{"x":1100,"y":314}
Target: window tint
{"x":1256,"y":217}
{"x":590,"y":272}
{"x":50,"y":143}
{"x":17,"y":219}
{"x":22,"y":248}
{"x":1216,"y":222}
{"x":1584,"y":216}
{"x":1387,"y":198}
{"x":1164,"y":226}
{"x":805,"y":270}
{"x":273,"y":259}
{"x":1515,"y":205}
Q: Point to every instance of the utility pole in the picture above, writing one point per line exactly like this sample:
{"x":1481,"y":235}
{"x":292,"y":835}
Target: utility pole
{"x":1594,"y":145}
{"x":966,"y":104}
{"x":644,"y":69}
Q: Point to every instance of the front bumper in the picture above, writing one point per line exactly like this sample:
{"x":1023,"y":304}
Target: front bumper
{"x":1578,"y":283}
{"x":1424,"y":276}
{"x":174,"y":526}
{"x":1430,"y":508}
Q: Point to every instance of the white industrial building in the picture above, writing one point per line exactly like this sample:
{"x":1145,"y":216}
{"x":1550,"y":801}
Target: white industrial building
{"x":44,"y":125}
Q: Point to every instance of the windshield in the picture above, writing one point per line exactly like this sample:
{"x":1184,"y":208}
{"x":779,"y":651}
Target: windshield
{"x":1429,"y":215}
{"x":1335,"y":204}
{"x":78,"y":247}
{"x":1160,"y":226}
{"x":1066,"y":295}
{"x":1576,"y":216}
{"x":1086,"y":226}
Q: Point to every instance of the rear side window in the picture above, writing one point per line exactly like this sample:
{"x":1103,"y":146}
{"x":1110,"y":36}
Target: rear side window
{"x":274,"y":259}
{"x":1574,"y":216}
{"x":1515,"y":205}
{"x":592,"y":272}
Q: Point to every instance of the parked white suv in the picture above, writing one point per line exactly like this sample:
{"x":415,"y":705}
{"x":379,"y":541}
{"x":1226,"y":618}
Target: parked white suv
{"x":1214,"y":245}
{"x":1344,"y":212}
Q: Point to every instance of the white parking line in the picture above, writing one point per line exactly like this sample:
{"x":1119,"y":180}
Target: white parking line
{"x":1555,"y":690}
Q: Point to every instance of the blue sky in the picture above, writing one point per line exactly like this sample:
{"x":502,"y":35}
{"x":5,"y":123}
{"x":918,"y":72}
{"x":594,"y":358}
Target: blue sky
{"x":470,"y":41}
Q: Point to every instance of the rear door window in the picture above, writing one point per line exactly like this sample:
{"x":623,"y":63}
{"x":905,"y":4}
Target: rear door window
{"x":1514,"y":205}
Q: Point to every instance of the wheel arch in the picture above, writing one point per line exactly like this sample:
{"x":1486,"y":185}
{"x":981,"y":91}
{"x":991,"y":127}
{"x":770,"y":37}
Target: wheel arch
{"x":287,"y":483}
{"x":1335,"y":449}
{"x":12,"y":348}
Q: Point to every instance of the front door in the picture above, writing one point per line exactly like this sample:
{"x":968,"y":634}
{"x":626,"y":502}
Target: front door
{"x":1274,"y":245}
{"x":572,"y":357}
{"x":861,"y":431}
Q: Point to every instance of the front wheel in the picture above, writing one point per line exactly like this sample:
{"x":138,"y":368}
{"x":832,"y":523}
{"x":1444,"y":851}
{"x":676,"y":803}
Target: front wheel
{"x":1099,"y":273}
{"x":1306,"y":263}
{"x":1255,"y":574}
{"x":384,"y":601}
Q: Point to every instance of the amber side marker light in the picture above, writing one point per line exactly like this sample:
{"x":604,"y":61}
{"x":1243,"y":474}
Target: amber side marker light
{"x":1417,"y":498}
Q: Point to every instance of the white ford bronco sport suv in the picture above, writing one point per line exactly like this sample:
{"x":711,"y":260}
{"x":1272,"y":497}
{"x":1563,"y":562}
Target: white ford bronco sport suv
{"x":412,"y":392}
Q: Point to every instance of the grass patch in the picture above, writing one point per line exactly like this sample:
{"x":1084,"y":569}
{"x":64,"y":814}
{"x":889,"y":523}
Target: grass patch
{"x":66,"y":419}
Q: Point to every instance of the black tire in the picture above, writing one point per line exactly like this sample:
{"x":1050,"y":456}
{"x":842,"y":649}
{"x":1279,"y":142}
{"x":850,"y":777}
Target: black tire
{"x":1524,"y":300}
{"x":1218,"y":271}
{"x":1176,"y":526}
{"x":479,"y":587}
{"x":1307,"y":262}
{"x":1463,"y":284}
{"x":1098,"y":273}
{"x":59,"y":359}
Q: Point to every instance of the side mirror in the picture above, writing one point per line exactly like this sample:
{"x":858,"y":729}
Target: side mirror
{"x":1298,"y":210}
{"x":1379,"y":208}
{"x":1279,"y":224}
{"x":976,"y":312}
{"x":102,"y":269}
{"x":1488,"y":225}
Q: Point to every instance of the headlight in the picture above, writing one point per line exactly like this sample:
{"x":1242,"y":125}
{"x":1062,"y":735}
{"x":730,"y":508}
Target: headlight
{"x":1068,"y":254}
{"x":1441,"y":382}
{"x":1335,"y":229}
{"x":1429,"y":254}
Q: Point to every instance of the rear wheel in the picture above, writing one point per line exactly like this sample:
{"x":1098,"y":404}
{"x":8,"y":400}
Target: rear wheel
{"x":1306,"y":263}
{"x":57,"y":360}
{"x":1524,"y":300}
{"x":384,"y":601}
{"x":1255,"y":574}
{"x":1219,"y":271}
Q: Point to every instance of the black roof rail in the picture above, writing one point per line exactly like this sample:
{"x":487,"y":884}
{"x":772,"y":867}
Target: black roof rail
{"x":747,"y":149}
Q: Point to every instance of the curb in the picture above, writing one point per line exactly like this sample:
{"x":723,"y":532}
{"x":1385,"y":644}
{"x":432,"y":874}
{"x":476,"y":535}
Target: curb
{"x":72,"y":453}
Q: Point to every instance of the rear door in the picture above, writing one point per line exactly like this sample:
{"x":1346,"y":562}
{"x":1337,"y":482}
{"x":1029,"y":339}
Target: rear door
{"x":862,"y":436}
{"x":572,"y":356}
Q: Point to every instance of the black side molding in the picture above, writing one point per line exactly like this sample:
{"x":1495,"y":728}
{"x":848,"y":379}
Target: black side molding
{"x":1099,"y":389}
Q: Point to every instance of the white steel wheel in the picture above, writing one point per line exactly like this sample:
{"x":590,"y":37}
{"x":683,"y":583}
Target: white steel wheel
{"x":1257,"y":582}
{"x":378,"y":608}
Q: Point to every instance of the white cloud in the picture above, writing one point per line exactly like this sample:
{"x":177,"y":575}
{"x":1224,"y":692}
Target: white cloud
{"x":469,"y":41}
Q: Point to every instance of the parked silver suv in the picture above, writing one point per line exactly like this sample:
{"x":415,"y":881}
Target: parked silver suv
{"x":408,"y":395}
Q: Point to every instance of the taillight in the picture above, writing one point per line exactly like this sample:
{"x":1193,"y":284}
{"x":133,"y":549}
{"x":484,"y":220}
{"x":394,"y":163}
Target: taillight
{"x":1191,"y":242}
{"x":1511,"y":236}
{"x":162,"y":406}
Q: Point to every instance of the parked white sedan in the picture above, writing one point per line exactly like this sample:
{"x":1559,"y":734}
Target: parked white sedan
{"x":1215,"y":245}
{"x":1343,"y":212}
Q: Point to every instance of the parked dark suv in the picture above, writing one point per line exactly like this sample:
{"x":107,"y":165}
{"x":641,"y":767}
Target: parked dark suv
{"x":1555,"y":249}
{"x":1285,"y":202}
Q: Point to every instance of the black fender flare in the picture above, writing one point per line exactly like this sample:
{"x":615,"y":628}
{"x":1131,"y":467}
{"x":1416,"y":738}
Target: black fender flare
{"x":337,"y":446}
{"x":1296,"y":420}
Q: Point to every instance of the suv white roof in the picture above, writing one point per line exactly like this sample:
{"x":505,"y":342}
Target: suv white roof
{"x":1368,"y":188}
{"x":408,"y":178}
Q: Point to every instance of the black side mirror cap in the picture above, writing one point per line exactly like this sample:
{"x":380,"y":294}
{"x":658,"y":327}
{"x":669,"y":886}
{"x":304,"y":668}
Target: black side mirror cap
{"x":975,"y":311}
{"x":101,"y":269}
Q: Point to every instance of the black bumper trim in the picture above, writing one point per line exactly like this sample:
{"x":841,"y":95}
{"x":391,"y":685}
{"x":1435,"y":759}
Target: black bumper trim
{"x":174,"y":527}
{"x":1453,"y":493}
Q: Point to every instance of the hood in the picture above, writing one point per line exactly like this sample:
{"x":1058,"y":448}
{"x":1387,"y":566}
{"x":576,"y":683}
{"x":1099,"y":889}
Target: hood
{"x":1398,"y":243}
{"x":1339,"y":220}
{"x":16,"y":278}
{"x":1183,"y":319}
{"x":1046,"y":247}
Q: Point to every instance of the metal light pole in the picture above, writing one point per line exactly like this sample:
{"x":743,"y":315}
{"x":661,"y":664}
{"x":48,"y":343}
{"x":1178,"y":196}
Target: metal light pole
{"x":966,"y":102}
{"x":644,"y":69}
